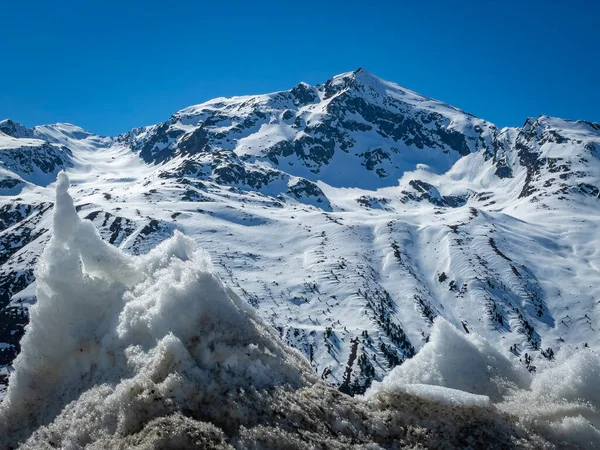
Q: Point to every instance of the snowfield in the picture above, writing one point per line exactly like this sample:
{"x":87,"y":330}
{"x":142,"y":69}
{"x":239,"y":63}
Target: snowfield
{"x":361,"y":221}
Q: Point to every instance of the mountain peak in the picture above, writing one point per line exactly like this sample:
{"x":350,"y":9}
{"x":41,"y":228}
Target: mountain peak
{"x":359,"y":75}
{"x":365,"y":74}
{"x":14,"y":129}
{"x":61,"y":132}
{"x":304,"y":93}
{"x":359,"y":79}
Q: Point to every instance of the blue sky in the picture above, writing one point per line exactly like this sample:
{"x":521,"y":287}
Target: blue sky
{"x":109,"y":66}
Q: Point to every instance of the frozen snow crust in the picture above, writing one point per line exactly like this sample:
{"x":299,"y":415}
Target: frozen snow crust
{"x":154,"y":352}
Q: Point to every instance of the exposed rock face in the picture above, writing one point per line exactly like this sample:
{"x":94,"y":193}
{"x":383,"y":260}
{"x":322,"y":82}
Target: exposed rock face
{"x":354,"y":119}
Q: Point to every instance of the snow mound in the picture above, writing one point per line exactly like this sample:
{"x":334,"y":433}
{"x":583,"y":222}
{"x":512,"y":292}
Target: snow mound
{"x":116,"y":340}
{"x":454,"y":360}
{"x":560,"y":400}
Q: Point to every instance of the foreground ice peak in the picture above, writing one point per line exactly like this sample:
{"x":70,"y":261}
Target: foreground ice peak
{"x":111,"y":332}
{"x":65,"y":215}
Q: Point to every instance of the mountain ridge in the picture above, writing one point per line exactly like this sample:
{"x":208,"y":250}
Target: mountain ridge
{"x":349,"y":214}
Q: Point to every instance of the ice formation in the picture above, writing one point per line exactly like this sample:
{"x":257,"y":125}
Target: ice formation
{"x":134,"y":338}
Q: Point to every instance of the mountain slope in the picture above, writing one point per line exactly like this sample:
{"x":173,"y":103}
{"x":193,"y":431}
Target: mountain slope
{"x":125,"y":369}
{"x":349,"y":214}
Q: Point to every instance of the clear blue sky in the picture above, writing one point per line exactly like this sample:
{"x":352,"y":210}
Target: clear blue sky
{"x":110,"y":65}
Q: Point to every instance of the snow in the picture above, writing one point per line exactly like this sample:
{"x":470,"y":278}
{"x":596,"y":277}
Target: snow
{"x":274,"y":251}
{"x":68,"y":134}
{"x":154,"y":351}
{"x":9,"y":142}
{"x":495,"y":265}
{"x":111,"y":333}
{"x":445,"y":395}
{"x":561,"y":398}
{"x":454,"y":360}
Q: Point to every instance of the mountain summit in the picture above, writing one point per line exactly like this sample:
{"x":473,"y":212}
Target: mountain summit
{"x":330,"y":132}
{"x":350,"y":215}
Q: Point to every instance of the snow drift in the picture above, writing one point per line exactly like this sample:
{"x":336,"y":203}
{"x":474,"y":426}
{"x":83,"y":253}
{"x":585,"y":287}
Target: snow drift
{"x":154,"y":351}
{"x":139,"y":337}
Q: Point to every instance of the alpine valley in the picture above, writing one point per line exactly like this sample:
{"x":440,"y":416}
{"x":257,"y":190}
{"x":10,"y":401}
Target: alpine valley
{"x":349,"y":215}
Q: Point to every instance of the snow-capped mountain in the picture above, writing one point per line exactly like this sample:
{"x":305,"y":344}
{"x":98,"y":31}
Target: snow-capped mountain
{"x":349,"y":214}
